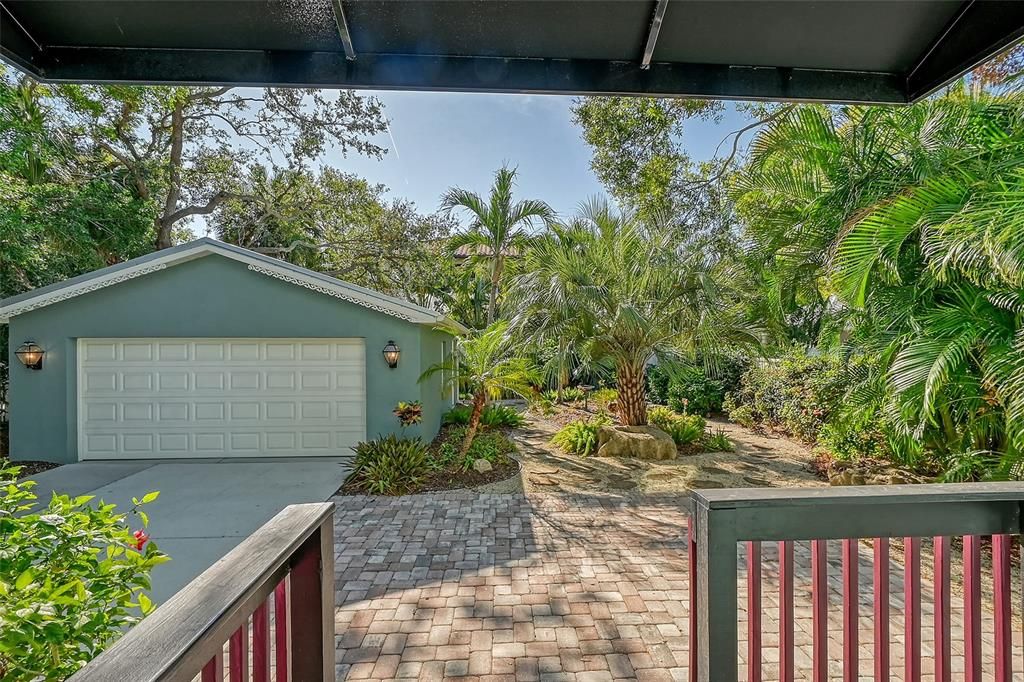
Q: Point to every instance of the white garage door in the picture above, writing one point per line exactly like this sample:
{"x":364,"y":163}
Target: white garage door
{"x":145,"y":398}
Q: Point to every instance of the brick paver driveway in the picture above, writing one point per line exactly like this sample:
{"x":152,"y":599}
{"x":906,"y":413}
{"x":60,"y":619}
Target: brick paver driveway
{"x":552,"y":587}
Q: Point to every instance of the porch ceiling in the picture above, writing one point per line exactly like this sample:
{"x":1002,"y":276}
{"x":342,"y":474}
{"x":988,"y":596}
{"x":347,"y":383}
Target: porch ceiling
{"x":866,"y":51}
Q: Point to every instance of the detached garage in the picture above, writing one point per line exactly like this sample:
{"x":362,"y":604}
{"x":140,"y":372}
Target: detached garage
{"x":208,"y":350}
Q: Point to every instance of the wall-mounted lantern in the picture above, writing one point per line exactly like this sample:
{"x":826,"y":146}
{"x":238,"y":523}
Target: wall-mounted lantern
{"x":391,"y":354}
{"x":30,"y":354}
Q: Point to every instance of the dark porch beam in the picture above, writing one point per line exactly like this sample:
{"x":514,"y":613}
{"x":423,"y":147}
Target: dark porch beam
{"x":466,"y":74}
{"x":18,"y":42}
{"x":343,"y":32}
{"x":653,"y":32}
{"x":978,"y":32}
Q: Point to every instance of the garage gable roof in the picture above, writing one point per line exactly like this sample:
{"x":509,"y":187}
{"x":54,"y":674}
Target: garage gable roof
{"x":258,"y":263}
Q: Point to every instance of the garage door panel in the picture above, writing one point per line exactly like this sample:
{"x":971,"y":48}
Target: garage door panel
{"x":220,"y":397}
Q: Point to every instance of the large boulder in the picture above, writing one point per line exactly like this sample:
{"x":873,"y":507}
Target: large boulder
{"x":641,"y":442}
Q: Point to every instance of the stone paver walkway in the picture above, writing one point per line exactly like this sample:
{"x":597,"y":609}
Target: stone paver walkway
{"x":474,"y":586}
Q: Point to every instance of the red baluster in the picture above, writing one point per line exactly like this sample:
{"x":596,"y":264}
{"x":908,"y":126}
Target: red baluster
{"x":786,"y":643}
{"x":1003,"y":614}
{"x":238,"y":654}
{"x":693,"y":600}
{"x":754,"y":611}
{"x":943,"y":671}
{"x":213,"y":671}
{"x":912,"y":609}
{"x":881,"y":609}
{"x":819,"y":604}
{"x":851,"y":621}
{"x":261,"y":644}
{"x":972,"y":609}
{"x":282,"y":665}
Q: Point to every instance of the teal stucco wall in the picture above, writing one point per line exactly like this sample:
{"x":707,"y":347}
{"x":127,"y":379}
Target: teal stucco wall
{"x":212,"y":296}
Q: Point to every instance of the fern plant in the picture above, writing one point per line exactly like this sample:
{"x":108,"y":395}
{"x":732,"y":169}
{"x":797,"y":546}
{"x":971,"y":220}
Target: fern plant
{"x":580,"y":437}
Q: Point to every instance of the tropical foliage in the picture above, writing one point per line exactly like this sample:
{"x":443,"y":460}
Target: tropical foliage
{"x":488,"y":366}
{"x":894,"y":233}
{"x":498,"y":229}
{"x":580,"y":437}
{"x":73,"y":576}
{"x":619,"y":289}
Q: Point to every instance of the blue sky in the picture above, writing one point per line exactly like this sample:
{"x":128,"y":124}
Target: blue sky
{"x":446,"y":139}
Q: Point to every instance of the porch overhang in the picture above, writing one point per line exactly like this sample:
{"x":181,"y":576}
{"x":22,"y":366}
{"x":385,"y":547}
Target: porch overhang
{"x":883,"y":51}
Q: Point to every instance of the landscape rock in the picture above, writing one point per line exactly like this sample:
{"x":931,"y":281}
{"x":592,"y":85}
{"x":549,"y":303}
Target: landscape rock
{"x":481,"y":466}
{"x":641,"y":442}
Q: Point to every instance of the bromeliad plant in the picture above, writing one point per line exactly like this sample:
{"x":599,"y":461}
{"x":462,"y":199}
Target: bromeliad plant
{"x":488,"y":365}
{"x":73,"y":578}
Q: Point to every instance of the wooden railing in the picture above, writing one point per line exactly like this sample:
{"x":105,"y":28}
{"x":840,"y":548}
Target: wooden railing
{"x":272,"y":595}
{"x":727,"y":522}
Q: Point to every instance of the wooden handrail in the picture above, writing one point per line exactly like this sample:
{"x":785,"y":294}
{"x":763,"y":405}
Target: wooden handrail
{"x":182,"y":635}
{"x":721,"y":519}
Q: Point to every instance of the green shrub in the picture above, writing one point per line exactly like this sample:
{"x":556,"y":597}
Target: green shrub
{"x":854,"y":436}
{"x":602,"y":398}
{"x":695,"y":393}
{"x":718,"y":442}
{"x":695,"y":386}
{"x":684,"y":428}
{"x":73,"y":578}
{"x":658,"y":382}
{"x":796,"y":394}
{"x":493,"y":446}
{"x":459,"y":414}
{"x":570,"y":394}
{"x":389,"y":465}
{"x":580,"y":437}
{"x":492,"y":415}
{"x":501,"y":415}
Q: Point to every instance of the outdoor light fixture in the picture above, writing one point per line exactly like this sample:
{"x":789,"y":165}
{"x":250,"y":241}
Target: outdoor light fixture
{"x":30,"y":354}
{"x":391,"y":353}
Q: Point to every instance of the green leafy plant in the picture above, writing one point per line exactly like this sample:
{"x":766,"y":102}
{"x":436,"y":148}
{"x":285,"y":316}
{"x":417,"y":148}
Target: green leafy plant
{"x":389,"y":465}
{"x":696,"y":393}
{"x":487,"y":362}
{"x":684,"y":428}
{"x":580,"y":437}
{"x":501,"y":415}
{"x":603,"y":398}
{"x":409,"y":413}
{"x":570,"y":394}
{"x":493,"y":446}
{"x":73,"y":577}
{"x":492,"y":415}
{"x":718,"y":442}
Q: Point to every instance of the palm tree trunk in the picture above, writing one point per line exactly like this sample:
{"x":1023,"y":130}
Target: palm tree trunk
{"x":632,"y":401}
{"x":474,"y":421}
{"x":492,"y":308}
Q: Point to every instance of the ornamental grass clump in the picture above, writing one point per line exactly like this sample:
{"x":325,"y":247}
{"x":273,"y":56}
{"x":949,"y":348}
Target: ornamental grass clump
{"x":73,"y":578}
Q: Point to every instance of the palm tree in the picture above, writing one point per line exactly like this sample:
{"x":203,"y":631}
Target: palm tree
{"x":909,"y":220}
{"x":499,"y":227}
{"x":486,"y":363}
{"x":627,"y":293}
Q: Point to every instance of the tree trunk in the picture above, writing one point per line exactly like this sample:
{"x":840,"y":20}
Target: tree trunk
{"x":492,"y":308}
{"x":474,"y":421}
{"x":632,"y":401}
{"x":164,"y":222}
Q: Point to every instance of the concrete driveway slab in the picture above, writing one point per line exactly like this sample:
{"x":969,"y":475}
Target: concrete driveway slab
{"x":205,"y":507}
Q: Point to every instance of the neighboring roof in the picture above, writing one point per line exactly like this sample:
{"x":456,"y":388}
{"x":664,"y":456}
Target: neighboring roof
{"x":470,"y":250}
{"x":265,"y":265}
{"x":865,"y":51}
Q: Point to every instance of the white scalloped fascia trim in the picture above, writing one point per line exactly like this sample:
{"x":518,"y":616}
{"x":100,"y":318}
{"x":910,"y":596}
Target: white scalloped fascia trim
{"x":328,"y":291}
{"x":73,"y":292}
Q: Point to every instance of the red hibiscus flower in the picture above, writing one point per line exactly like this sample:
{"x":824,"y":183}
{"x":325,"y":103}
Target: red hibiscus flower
{"x":141,"y":538}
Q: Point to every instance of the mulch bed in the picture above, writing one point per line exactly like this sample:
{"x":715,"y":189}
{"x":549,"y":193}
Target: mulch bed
{"x":32,"y":468}
{"x":456,"y":480}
